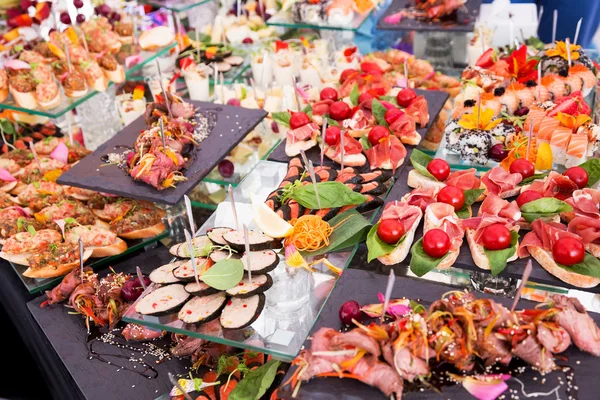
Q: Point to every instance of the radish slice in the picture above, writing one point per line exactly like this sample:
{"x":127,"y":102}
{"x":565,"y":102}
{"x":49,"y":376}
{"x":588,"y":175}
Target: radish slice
{"x":60,"y":153}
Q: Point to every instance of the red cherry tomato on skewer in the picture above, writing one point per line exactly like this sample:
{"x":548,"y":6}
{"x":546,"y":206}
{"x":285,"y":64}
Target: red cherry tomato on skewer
{"x":405,"y":97}
{"x":377,"y":134}
{"x":527,"y":196}
{"x":523,"y":167}
{"x":332,"y":135}
{"x":578,"y":175}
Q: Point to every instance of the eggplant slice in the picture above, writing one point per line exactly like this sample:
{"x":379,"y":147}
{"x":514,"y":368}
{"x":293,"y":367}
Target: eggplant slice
{"x":261,"y":262}
{"x":200,"y":244}
{"x":257,"y":240}
{"x":216,"y":235}
{"x":185,"y":272}
{"x":234,"y":60}
{"x":200,"y":310}
{"x":242,"y":312}
{"x":163,"y":301}
{"x":221,"y":255}
{"x":260,"y":284}
{"x":199,"y":290}
{"x":164,"y":275}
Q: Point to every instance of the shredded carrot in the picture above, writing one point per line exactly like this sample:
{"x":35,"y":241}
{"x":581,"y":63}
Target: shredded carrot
{"x":311,"y":233}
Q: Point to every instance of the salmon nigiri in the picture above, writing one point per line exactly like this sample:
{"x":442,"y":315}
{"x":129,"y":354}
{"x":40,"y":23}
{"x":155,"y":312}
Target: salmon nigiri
{"x":534,"y":117}
{"x":547,"y":128}
{"x":577,"y":150}
{"x":559,"y":143}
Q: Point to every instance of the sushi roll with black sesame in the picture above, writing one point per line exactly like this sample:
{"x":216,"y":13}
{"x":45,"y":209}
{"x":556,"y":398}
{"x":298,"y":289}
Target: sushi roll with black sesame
{"x":501,"y":131}
{"x":474,"y":147}
{"x":453,"y":132}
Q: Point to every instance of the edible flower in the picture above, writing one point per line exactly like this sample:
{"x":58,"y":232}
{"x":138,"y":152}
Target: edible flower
{"x":60,"y":153}
{"x":281,"y":45}
{"x":572,"y":122}
{"x":484,"y":117}
{"x":294,"y":259}
{"x":6,"y":176}
{"x":484,"y":387}
{"x":138,"y":92}
{"x":396,"y":308}
{"x":394,"y":18}
{"x":519,"y":67}
{"x":561,"y":50}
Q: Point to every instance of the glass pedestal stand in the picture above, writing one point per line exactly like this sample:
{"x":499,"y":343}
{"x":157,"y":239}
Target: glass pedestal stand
{"x":497,"y":285}
{"x":338,"y":38}
{"x":100,"y":118}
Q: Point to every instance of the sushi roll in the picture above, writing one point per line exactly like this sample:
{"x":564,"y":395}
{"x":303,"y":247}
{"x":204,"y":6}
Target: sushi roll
{"x":257,"y":240}
{"x":474,"y":147}
{"x":489,"y":101}
{"x":453,"y":132}
{"x":555,"y":86}
{"x":524,"y":94}
{"x":501,"y":132}
{"x":577,"y":150}
{"x":261,"y":262}
{"x":242,"y":312}
{"x":200,"y":310}
{"x":587,"y":77}
{"x":509,"y":101}
{"x":559,"y":142}
{"x":162,"y":301}
{"x":540,"y":92}
{"x":164,"y":275}
{"x":546,"y":128}
{"x":245,"y":288}
{"x":593,"y":133}
{"x":572,"y":83}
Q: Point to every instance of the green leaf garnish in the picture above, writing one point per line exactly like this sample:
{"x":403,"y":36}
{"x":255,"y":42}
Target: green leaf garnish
{"x":354,"y":95}
{"x":224,"y":274}
{"x":378,"y":247}
{"x":544,"y":207}
{"x":419,"y":161}
{"x":420,"y":262}
{"x":379,"y":113}
{"x":499,"y":258}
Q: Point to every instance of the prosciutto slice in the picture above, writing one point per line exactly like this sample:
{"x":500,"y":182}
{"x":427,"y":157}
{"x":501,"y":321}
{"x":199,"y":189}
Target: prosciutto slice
{"x":306,"y":132}
{"x":587,"y":228}
{"x":555,"y":185}
{"x":498,"y":180}
{"x":544,"y":235}
{"x":465,"y":180}
{"x":417,"y":109}
{"x":482,"y":222}
{"x":442,"y":216}
{"x":402,"y":212}
{"x":387,"y":154}
{"x":585,"y":203}
{"x":351,"y":146}
{"x":360,"y":120}
{"x":321,"y":107}
{"x":405,"y":129}
{"x":421,"y":197}
{"x":494,"y":205}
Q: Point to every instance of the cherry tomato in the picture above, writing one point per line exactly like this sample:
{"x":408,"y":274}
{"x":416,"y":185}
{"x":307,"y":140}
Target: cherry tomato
{"x":364,"y":97}
{"x":332,"y":135}
{"x":329,"y":94}
{"x":568,"y":251}
{"x":390,"y":231}
{"x":299,"y":119}
{"x":523,"y":167}
{"x":577,"y":175}
{"x":346,"y":73}
{"x":339,"y":110}
{"x":439,"y":168}
{"x":436,"y":243}
{"x":453,"y":196}
{"x":405,"y":96}
{"x":527,"y":196}
{"x":392,"y":115}
{"x":377,"y":134}
{"x":496,"y":237}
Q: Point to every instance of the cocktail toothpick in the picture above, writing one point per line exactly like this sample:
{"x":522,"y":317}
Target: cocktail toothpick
{"x":68,"y":58}
{"x":222,"y":88}
{"x":529,"y":141}
{"x":232,"y":201}
{"x":311,"y":171}
{"x":478,"y":110}
{"x":188,"y":239}
{"x":481,"y":39}
{"x":178,"y":386}
{"x":134,"y":18}
{"x":539,"y":68}
{"x":568,"y":46}
{"x":577,"y":31}
{"x":323,"y":140}
{"x":188,"y":208}
{"x":247,"y":245}
{"x":388,"y":294}
{"x":524,"y":280}
{"x":162,"y":134}
{"x":342,"y":151}
{"x":140,"y":276}
{"x":81,"y":258}
{"x":162,"y":88}
{"x":554,"y":23}
{"x":197,"y":30}
{"x":239,"y":8}
{"x":215,"y":80}
{"x":69,"y":129}
{"x":511,"y":32}
{"x":540,"y":17}
{"x":35,"y":156}
{"x":405,"y":73}
{"x":296,"y":93}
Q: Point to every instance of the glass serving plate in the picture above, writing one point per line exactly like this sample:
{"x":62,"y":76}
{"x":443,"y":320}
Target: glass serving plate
{"x":175,"y":5}
{"x":284,"y":19}
{"x":34,"y":285}
{"x":67,"y":103}
{"x":293,"y":303}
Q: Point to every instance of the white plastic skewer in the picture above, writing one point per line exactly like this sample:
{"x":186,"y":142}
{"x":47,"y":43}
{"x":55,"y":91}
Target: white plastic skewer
{"x":197,"y":30}
{"x":577,"y":30}
{"x":554,"y":22}
{"x":188,"y":208}
{"x":162,"y":88}
{"x":524,"y":280}
{"x":342,"y":150}
{"x":296,"y":93}
{"x":405,"y":74}
{"x":568,"y":45}
{"x":80,"y":257}
{"x":162,"y":134}
{"x":134,"y":17}
{"x":232,"y":201}
{"x":539,"y":81}
{"x":140,"y":276}
{"x":540,"y":18}
{"x":311,"y":171}
{"x":68,"y":58}
{"x":529,"y":141}
{"x":511,"y":30}
{"x":478,"y":110}
{"x":188,"y":239}
{"x":69,"y":129}
{"x":35,"y":156}
{"x":247,"y":245}
{"x":481,"y":39}
{"x":304,"y":159}
{"x":178,"y":386}
{"x":323,"y":139}
{"x":215,"y":81}
{"x":388,"y":293}
{"x":239,"y":8}
{"x":222,"y":88}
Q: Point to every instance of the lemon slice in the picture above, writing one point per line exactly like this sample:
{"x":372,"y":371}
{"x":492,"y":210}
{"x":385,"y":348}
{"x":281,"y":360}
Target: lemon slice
{"x":543,"y":161}
{"x":269,"y":222}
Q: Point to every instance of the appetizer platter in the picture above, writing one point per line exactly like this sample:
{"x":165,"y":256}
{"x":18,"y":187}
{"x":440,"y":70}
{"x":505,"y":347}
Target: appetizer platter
{"x":437,"y":15}
{"x":390,"y":362}
{"x":218,"y":127}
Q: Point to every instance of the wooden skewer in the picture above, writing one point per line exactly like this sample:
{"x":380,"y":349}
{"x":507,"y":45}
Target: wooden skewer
{"x":190,"y":245}
{"x":162,"y":88}
{"x":388,"y":294}
{"x":524,"y":280}
{"x":188,"y":208}
{"x":311,"y":171}
{"x":248,"y":253}
{"x":140,"y":276}
{"x":81,"y":258}
{"x":232,"y":200}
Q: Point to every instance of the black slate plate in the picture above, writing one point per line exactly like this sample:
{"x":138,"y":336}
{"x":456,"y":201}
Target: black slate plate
{"x":408,"y":24}
{"x":513,"y":270}
{"x":435,"y":103}
{"x":97,"y":380}
{"x":363,"y":286}
{"x":232,"y":125}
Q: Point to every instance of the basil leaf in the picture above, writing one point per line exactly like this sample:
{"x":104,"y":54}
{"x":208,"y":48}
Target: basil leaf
{"x":256,"y":382}
{"x":532,"y":178}
{"x":463,"y":213}
{"x":353,"y":231}
{"x":7,"y":127}
{"x":282,"y":118}
{"x":224,"y":274}
{"x":354,"y":94}
{"x":379,"y":113}
{"x":590,"y":266}
{"x":307,"y":109}
{"x":592,"y":167}
{"x":378,"y":247}
{"x":471,"y":195}
{"x":416,"y":307}
{"x":390,"y":99}
{"x":332,"y":122}
{"x":544,"y":207}
{"x":331,"y":194}
{"x":419,"y":161}
{"x":498,"y":258}
{"x":364,"y":140}
{"x":420,"y":262}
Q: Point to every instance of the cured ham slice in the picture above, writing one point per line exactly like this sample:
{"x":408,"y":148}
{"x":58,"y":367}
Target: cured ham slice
{"x":304,"y":133}
{"x":585,"y":203}
{"x":544,"y":235}
{"x":499,"y":181}
{"x":389,"y":154}
{"x":402,"y":212}
{"x":417,"y":109}
{"x":321,"y":107}
{"x":465,"y":180}
{"x":555,"y":185}
{"x":442,"y":216}
{"x":405,"y":129}
{"x":481,"y":222}
{"x":421,"y":197}
{"x":352,"y":152}
{"x":494,"y":205}
{"x":587,"y":228}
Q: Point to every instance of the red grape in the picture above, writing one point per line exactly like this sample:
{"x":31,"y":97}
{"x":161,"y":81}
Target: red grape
{"x":80,"y":18}
{"x":348,"y":311}
{"x":78,"y":3}
{"x":65,"y":18}
{"x":226,"y":168}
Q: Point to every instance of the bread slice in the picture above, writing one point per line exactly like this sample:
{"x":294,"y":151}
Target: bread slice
{"x":145,"y":232}
{"x":293,"y":149}
{"x":100,"y":84}
{"x":417,"y":180}
{"x":116,"y":76}
{"x":358,"y":133}
{"x":24,"y":99}
{"x":478,"y":253}
{"x":19,"y":259}
{"x":350,"y":160}
{"x":510,"y":193}
{"x":544,"y":258}
{"x":47,"y":105}
{"x":3,"y":94}
{"x":399,"y":254}
{"x":412,"y":140}
{"x":118,"y":247}
{"x":52,"y":272}
{"x":593,"y":249}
